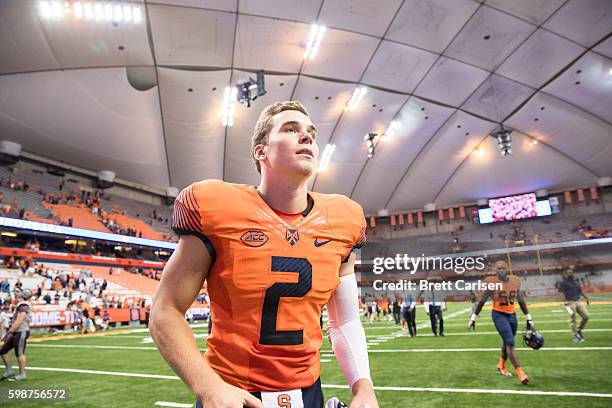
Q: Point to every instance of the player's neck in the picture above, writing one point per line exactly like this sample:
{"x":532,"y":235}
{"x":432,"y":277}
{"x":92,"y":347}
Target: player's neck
{"x":282,"y":194}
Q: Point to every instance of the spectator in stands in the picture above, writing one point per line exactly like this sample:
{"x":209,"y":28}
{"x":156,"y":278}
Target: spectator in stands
{"x":5,"y":286}
{"x":571,"y":291}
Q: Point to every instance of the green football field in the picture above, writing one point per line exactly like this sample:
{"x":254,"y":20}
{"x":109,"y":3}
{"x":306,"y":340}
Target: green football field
{"x":123,"y":368}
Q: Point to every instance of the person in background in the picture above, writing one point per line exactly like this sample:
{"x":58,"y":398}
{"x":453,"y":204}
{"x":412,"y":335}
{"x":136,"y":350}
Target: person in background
{"x":435,"y":306}
{"x":571,"y":292}
{"x":17,"y":336}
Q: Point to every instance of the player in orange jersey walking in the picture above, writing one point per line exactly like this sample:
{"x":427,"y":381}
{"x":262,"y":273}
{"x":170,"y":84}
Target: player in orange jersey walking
{"x":504,"y":316}
{"x":272,"y":257}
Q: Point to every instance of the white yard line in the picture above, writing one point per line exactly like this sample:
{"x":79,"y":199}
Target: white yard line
{"x":172,"y":404}
{"x":496,"y":349}
{"x":378,"y":388}
{"x":485,"y":391}
{"x":82,"y":346}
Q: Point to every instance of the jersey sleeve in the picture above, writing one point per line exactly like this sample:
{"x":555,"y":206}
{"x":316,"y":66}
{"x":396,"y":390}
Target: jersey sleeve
{"x":354,"y":225}
{"x":187,"y":214}
{"x":23,"y":308}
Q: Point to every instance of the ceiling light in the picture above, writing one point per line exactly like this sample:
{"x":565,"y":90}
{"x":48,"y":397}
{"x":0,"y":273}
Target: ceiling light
{"x":108,"y":12}
{"x":117,"y":13}
{"x":136,"y":15}
{"x":229,"y":106}
{"x":358,"y":93}
{"x":89,"y":13}
{"x":369,"y":139}
{"x":78,"y":10}
{"x":90,"y":10}
{"x":99,"y":11}
{"x":392,"y":129}
{"x":127,"y":13}
{"x":314,"y":40}
{"x":45,"y":9}
{"x":504,"y":141}
{"x":326,"y":157}
{"x":58,"y":10}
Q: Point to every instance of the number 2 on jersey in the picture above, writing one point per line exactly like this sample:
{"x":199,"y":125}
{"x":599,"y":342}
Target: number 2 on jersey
{"x":268,"y":333}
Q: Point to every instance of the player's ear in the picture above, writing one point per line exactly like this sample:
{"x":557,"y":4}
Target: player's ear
{"x":259,"y":152}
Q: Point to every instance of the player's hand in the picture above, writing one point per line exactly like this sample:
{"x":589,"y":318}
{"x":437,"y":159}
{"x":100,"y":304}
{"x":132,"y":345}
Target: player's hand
{"x":529,"y":324}
{"x":224,"y":395}
{"x":363,"y":395}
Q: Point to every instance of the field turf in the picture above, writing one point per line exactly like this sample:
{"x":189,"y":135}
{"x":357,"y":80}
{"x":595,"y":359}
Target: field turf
{"x":123,"y":368}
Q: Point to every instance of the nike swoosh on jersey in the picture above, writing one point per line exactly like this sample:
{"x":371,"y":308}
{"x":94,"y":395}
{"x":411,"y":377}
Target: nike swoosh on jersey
{"x":320,"y":243}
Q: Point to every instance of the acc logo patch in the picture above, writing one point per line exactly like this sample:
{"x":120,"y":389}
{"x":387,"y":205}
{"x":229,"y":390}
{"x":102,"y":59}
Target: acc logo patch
{"x":254,"y":238}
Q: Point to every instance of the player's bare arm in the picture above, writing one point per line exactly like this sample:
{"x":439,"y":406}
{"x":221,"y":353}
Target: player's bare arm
{"x":181,"y":282}
{"x":348,"y":337}
{"x":524,"y":308}
{"x":484,"y":296}
{"x":17,"y":322}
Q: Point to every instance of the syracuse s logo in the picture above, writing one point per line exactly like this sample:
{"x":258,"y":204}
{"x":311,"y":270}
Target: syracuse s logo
{"x":254,"y":238}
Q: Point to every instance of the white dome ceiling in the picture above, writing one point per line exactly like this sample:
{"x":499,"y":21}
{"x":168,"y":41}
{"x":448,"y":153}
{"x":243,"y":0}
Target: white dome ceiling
{"x":450,"y":71}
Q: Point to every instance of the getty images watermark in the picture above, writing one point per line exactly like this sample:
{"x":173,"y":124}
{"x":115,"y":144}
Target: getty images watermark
{"x":428,"y":264}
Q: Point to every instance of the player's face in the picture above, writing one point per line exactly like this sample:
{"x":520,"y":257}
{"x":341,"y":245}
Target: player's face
{"x":292,"y":146}
{"x":501,"y":269}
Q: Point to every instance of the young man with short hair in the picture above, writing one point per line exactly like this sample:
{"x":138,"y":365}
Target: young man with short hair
{"x":272,"y":257}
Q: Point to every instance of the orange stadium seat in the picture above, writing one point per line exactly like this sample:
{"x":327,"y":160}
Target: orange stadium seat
{"x":81,"y":216}
{"x":136,"y":282}
{"x":126,"y":222}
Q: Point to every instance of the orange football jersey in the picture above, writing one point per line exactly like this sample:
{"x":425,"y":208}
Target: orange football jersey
{"x":503,"y":300}
{"x":269,"y":280}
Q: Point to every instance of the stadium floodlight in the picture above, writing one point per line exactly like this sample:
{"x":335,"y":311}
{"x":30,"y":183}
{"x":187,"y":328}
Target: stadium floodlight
{"x":314,"y":40}
{"x":229,"y":106}
{"x":89,"y":13}
{"x":249,"y":89}
{"x":58,"y":10}
{"x":117,"y":13}
{"x":369,"y":139}
{"x":358,"y":93}
{"x":392,"y":129}
{"x":326,"y":157}
{"x":78,"y":10}
{"x":504,"y":141}
{"x":127,"y":13}
{"x":137,"y":18}
{"x":99,"y":11}
{"x":45,"y":9}
{"x":108,"y":12}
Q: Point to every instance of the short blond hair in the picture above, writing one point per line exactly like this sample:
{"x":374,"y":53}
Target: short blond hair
{"x":264,"y":123}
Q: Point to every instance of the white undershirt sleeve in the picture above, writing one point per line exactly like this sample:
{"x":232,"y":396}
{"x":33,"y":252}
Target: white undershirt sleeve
{"x":346,"y":332}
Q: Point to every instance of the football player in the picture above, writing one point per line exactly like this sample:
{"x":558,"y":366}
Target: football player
{"x":504,"y":316}
{"x":17,"y":336}
{"x":272,"y":256}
